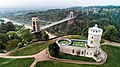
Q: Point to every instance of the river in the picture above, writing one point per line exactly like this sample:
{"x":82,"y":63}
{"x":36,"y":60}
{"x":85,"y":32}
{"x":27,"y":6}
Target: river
{"x":8,"y":20}
{"x":16,"y":23}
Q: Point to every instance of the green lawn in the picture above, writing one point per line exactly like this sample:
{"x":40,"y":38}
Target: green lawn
{"x":16,"y":62}
{"x":79,"y":44}
{"x":32,"y":49}
{"x":64,"y":42}
{"x":112,"y":60}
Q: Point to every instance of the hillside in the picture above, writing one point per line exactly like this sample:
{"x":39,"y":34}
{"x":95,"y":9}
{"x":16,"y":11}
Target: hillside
{"x":107,"y":17}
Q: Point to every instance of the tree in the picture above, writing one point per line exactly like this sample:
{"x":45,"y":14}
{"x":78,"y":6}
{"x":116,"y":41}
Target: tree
{"x":2,"y":45}
{"x":3,"y":28}
{"x":44,"y":36}
{"x":12,"y":35}
{"x":110,"y":32}
{"x":20,"y":45}
{"x":10,"y":26}
{"x":26,"y":35}
{"x":12,"y":44}
{"x":93,"y":22}
{"x":53,"y":49}
{"x":3,"y":38}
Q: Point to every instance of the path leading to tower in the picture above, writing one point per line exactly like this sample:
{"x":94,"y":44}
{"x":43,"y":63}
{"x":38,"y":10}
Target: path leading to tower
{"x":111,"y":43}
{"x":41,"y":56}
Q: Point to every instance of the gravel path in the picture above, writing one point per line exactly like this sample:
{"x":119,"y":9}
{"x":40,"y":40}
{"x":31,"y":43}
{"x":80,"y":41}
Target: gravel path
{"x":17,"y":56}
{"x":111,"y":43}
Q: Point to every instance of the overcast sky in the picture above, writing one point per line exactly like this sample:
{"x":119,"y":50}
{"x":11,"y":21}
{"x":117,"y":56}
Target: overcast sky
{"x":55,"y":3}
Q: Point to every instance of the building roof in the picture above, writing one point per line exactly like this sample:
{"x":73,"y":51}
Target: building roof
{"x":95,"y":28}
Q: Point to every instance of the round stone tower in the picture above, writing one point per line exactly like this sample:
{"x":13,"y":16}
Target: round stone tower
{"x":94,"y":36}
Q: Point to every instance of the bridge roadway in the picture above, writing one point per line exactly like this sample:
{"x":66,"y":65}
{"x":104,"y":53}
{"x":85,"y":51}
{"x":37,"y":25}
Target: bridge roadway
{"x":55,"y":23}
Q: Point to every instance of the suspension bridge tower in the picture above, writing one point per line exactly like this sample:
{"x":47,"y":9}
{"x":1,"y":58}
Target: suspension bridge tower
{"x":35,"y":25}
{"x":71,"y":20}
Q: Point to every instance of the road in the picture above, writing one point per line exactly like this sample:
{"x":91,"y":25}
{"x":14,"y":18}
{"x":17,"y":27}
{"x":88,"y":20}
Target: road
{"x":55,"y":23}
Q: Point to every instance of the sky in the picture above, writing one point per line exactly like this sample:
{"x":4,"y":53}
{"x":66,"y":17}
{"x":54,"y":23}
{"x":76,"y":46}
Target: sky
{"x":55,"y":3}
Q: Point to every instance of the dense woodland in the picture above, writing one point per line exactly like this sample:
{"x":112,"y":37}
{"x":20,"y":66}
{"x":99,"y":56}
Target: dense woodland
{"x":107,"y":17}
{"x":13,"y":37}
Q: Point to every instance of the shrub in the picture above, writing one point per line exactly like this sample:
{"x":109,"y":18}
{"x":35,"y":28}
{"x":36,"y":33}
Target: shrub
{"x":20,"y":45}
{"x":54,"y":49}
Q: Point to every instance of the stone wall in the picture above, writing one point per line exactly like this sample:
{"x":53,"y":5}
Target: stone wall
{"x":80,"y":51}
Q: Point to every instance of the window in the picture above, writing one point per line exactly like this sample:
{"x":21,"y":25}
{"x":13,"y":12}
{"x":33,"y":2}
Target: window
{"x":73,"y":51}
{"x":78,"y":52}
{"x":33,"y":28}
{"x":82,"y":52}
{"x":87,"y":53}
{"x":91,"y":42}
{"x":33,"y":23}
{"x":92,"y":37}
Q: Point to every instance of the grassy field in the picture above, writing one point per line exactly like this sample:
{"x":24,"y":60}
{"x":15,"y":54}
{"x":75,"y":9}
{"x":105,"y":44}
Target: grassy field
{"x":16,"y":62}
{"x":35,"y":48}
{"x":112,"y":60}
{"x":32,"y":49}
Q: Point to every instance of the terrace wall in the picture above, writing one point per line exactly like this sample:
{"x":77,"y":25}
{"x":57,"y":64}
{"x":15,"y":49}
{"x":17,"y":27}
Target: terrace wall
{"x":73,"y":50}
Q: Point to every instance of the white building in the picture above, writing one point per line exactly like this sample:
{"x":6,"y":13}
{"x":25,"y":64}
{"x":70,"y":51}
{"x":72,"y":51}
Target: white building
{"x":90,"y":48}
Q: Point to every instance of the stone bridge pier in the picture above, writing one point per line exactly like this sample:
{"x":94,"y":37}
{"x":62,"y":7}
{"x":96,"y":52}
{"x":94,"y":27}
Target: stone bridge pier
{"x":70,"y":22}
